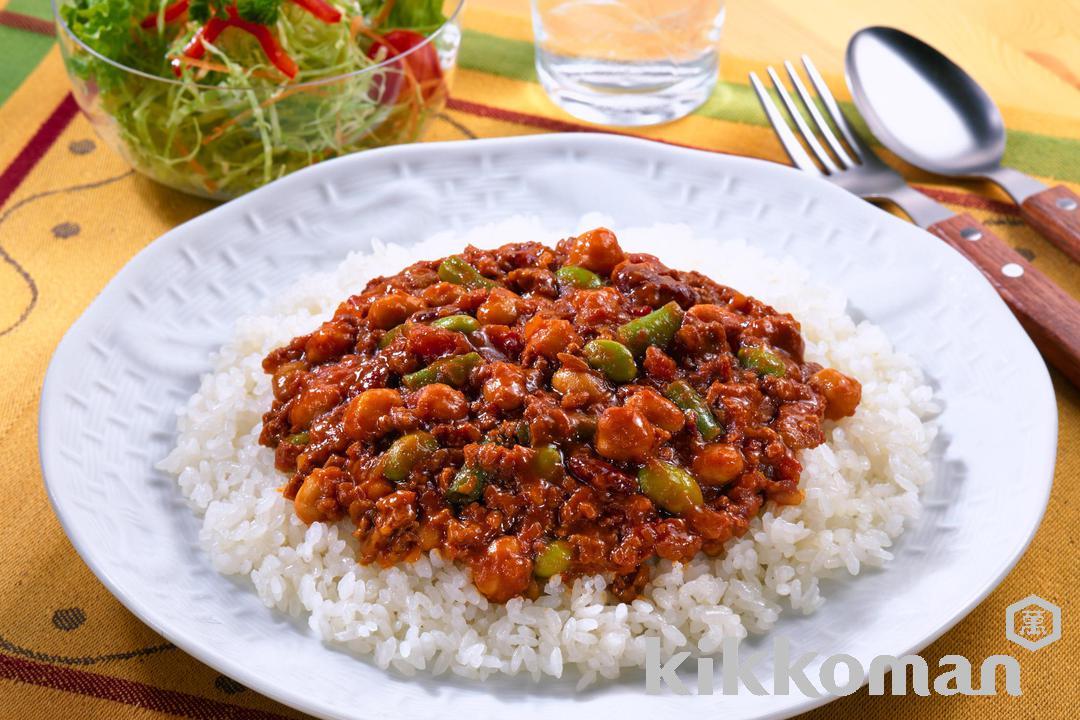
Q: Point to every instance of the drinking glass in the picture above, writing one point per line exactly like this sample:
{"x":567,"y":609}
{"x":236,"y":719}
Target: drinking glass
{"x":627,"y":62}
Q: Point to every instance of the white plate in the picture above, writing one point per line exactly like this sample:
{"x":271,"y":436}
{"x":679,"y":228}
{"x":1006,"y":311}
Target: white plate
{"x":107,"y":408}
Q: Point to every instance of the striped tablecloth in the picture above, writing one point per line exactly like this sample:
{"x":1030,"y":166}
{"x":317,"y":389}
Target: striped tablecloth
{"x":72,"y":212}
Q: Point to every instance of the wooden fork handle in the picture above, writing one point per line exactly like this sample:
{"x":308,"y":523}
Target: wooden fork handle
{"x":1055,"y":214}
{"x":1050,"y":316}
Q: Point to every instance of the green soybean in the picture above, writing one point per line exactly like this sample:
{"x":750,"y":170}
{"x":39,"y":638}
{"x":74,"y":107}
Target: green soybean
{"x":762,"y":360}
{"x":611,"y":358}
{"x":451,"y":371}
{"x":682,"y":394}
{"x":467,"y":485}
{"x":406,"y":453}
{"x":458,"y":271}
{"x":300,"y":438}
{"x":458,"y":323}
{"x":657,"y":328}
{"x":578,"y":277}
{"x":670,"y":486}
{"x":554,"y":559}
{"x":546,"y":462}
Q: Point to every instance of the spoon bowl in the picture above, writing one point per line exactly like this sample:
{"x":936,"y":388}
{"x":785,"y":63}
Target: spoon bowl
{"x":929,"y":112}
{"x":922,"y":105}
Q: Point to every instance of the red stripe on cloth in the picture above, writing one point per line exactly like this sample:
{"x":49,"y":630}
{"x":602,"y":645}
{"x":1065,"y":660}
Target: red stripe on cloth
{"x":29,"y":23}
{"x":128,"y":692}
{"x":33,"y":151}
{"x":554,"y":125}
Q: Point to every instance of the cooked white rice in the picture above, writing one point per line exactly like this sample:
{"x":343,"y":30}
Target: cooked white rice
{"x":861,"y":488}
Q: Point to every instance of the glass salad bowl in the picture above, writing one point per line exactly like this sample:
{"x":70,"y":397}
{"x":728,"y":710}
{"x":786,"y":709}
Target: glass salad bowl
{"x":205,"y":123}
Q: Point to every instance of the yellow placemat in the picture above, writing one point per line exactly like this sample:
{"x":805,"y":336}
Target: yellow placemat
{"x":72,"y":213}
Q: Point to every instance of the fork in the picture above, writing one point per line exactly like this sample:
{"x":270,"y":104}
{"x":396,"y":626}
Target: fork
{"x":1050,"y":316}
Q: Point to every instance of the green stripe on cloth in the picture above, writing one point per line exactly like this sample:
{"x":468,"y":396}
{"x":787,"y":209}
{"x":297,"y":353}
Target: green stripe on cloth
{"x":22,"y":53}
{"x":38,"y":8}
{"x":1044,"y":155}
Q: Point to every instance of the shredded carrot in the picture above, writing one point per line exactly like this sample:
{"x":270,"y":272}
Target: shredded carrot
{"x":217,"y":67}
{"x":383,"y":14}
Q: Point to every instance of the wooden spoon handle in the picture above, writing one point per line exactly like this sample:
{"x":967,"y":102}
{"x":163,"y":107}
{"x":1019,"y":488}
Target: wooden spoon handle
{"x":1050,"y":316}
{"x":1055,"y":213}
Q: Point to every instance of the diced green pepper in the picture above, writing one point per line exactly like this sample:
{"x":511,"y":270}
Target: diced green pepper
{"x":467,"y":486}
{"x":611,"y":358}
{"x":546,"y":462}
{"x":456,"y":270}
{"x":669,"y":486}
{"x":452,"y":371}
{"x":554,"y":559}
{"x":300,"y":438}
{"x":578,"y":277}
{"x":686,"y":397}
{"x":458,"y":323}
{"x":406,"y":453}
{"x":390,"y":335}
{"x":657,"y":328}
{"x":762,"y":360}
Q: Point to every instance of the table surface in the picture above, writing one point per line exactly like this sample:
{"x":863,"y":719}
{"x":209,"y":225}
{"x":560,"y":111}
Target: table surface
{"x":72,"y":213}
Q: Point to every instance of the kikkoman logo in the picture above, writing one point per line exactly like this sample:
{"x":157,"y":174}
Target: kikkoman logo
{"x":1032,"y":623}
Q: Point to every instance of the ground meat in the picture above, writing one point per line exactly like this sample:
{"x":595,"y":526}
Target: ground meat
{"x":531,"y":411}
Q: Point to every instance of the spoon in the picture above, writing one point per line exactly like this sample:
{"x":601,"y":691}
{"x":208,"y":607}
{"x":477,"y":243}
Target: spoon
{"x":931,"y":113}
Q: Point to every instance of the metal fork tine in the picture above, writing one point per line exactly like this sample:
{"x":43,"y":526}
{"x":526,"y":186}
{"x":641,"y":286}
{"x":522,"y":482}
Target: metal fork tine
{"x":800,"y":124}
{"x":819,"y":120}
{"x":857,"y":146}
{"x":787,"y":138}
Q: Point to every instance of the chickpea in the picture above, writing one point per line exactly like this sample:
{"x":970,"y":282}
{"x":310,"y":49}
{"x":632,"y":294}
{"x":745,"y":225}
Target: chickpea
{"x":331,"y":340}
{"x":500,"y":308}
{"x":313,"y":402}
{"x":623,"y":433}
{"x":440,"y":402}
{"x":657,"y":409}
{"x":441,"y":293}
{"x":842,"y":393}
{"x":364,"y":411}
{"x":503,"y":571}
{"x":286,"y":380}
{"x":583,"y":384}
{"x":505,"y":386}
{"x":551,"y":336}
{"x":393,"y":309}
{"x":314,"y":500}
{"x":718,"y":464}
{"x":597,"y":250}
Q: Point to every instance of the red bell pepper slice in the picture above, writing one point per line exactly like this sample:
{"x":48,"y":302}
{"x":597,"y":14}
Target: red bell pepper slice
{"x":321,"y":9}
{"x":274,"y":53}
{"x":172,"y":12}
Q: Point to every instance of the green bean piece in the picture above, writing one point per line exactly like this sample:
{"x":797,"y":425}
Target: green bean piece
{"x":467,"y":486}
{"x":669,"y":486}
{"x":390,"y":335}
{"x":611,"y":358}
{"x":300,"y":438}
{"x":456,"y":270}
{"x":546,"y":462}
{"x":578,"y":277}
{"x":406,"y":453}
{"x":657,"y":328}
{"x":553,"y":559}
{"x":762,"y":360}
{"x":452,"y":371}
{"x":458,"y":323}
{"x":686,"y":397}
